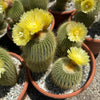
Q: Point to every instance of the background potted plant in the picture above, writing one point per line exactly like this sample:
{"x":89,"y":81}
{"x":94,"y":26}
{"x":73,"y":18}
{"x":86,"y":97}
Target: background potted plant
{"x":88,"y":13}
{"x":53,"y":82}
{"x":61,"y":10}
{"x":13,"y":76}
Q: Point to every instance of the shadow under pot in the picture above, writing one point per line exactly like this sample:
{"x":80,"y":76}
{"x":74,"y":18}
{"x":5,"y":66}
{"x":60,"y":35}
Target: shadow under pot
{"x":44,"y":84}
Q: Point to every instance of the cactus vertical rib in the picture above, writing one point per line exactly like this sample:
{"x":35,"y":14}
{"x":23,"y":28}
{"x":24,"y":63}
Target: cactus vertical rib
{"x":31,"y":4}
{"x":39,"y":55}
{"x":63,"y":43}
{"x":64,"y":78}
{"x":15,"y":11}
{"x":9,"y":77}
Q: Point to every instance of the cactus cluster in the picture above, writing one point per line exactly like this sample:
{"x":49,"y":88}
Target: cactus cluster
{"x":39,"y":52}
{"x":66,"y":71}
{"x":8,"y":73}
{"x":31,"y":4}
{"x":69,"y":34}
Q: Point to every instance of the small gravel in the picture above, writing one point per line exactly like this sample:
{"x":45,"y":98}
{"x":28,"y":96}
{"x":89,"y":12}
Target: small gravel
{"x":12,"y":92}
{"x":45,"y":82}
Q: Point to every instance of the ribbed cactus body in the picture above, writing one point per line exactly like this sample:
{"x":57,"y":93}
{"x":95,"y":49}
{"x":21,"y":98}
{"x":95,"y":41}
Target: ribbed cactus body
{"x":31,"y":4}
{"x":13,"y":13}
{"x":64,"y":74}
{"x":86,"y":18}
{"x":3,"y":24}
{"x":63,"y":43}
{"x":39,"y":54}
{"x":9,"y":76}
{"x":60,"y":5}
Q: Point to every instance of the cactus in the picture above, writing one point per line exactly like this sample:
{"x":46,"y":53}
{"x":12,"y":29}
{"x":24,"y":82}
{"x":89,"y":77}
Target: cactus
{"x":64,"y":74}
{"x":65,"y":41}
{"x":31,"y":4}
{"x":67,"y":71}
{"x":86,"y":18}
{"x":39,"y":52}
{"x":8,"y":73}
{"x":3,"y":24}
{"x":60,"y":5}
{"x":13,"y":13}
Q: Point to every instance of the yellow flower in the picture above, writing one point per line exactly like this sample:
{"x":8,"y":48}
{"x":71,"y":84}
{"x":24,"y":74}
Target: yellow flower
{"x":87,"y":6}
{"x":76,"y":32}
{"x":78,"y":55}
{"x":2,"y":70}
{"x":2,"y":6}
{"x":32,"y":22}
{"x":20,"y":35}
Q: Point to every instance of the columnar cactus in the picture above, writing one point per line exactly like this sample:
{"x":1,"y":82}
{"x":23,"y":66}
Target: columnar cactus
{"x":66,"y":71}
{"x":69,"y":34}
{"x":14,"y":12}
{"x":60,"y":5}
{"x":31,"y":4}
{"x":8,"y":73}
{"x":39,"y":52}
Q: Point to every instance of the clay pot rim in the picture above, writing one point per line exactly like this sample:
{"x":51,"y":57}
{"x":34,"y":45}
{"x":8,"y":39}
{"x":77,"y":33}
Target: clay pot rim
{"x":62,"y":12}
{"x":23,"y":92}
{"x":91,"y":39}
{"x":93,"y":67}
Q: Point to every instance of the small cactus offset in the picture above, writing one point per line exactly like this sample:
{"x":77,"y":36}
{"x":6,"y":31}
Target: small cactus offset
{"x":69,"y":34}
{"x":39,"y":52}
{"x":60,"y":5}
{"x":13,"y":13}
{"x":67,"y":72}
{"x":31,"y":4}
{"x":8,"y":73}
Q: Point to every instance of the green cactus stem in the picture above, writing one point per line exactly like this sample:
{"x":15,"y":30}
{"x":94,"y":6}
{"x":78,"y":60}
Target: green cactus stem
{"x":60,"y":5}
{"x":8,"y":73}
{"x":65,"y":73}
{"x":3,"y":24}
{"x":86,"y":18}
{"x":13,"y":13}
{"x":31,"y":4}
{"x":39,"y":52}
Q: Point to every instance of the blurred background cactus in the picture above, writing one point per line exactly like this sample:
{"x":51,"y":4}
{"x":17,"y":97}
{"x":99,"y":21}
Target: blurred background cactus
{"x":31,"y":4}
{"x":67,"y":71}
{"x":87,"y":10}
{"x":8,"y":73}
{"x":70,"y":34}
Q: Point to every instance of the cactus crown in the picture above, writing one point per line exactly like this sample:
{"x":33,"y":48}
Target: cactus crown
{"x":85,"y":5}
{"x":76,"y":31}
{"x":31,"y":23}
{"x":78,"y":56}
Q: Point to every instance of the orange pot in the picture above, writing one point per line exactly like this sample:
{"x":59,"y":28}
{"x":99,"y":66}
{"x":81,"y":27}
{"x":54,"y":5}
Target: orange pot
{"x":93,"y":44}
{"x":63,"y":96}
{"x":23,"y":92}
{"x":61,"y":17}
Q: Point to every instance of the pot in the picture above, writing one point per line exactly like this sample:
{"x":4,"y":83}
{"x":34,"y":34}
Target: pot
{"x":61,"y":17}
{"x":63,"y":96}
{"x":23,"y":92}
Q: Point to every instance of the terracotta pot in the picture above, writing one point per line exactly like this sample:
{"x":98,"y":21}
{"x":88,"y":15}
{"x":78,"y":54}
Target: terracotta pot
{"x":63,"y":96}
{"x":93,"y":44}
{"x":23,"y":92}
{"x":60,"y":17}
